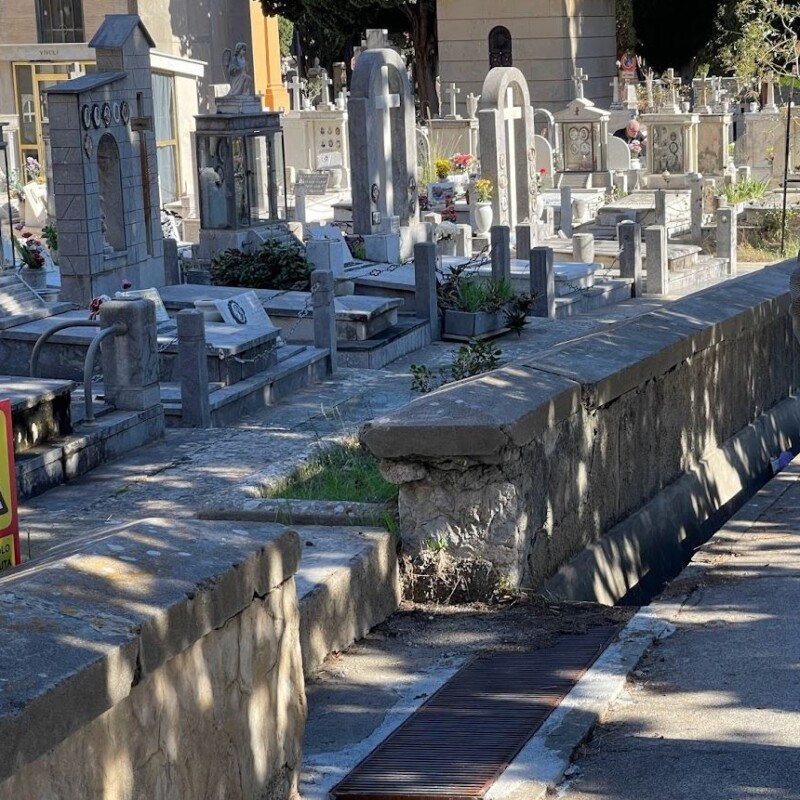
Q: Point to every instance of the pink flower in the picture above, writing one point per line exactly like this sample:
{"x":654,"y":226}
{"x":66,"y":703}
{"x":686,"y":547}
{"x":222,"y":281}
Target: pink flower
{"x":126,"y":284}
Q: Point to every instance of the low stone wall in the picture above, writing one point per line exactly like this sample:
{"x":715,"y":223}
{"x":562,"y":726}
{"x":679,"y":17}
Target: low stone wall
{"x":159,"y":661}
{"x":528,"y":465}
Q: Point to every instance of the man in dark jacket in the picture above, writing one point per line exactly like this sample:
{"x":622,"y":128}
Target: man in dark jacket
{"x":632,"y":135}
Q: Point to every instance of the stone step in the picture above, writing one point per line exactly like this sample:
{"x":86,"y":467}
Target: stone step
{"x":306,"y":365}
{"x":707,"y":270}
{"x":682,"y":256}
{"x":407,"y":336}
{"x":40,"y":409}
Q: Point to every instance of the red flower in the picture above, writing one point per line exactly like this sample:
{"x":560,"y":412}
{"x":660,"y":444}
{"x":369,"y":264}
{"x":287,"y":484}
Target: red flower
{"x":543,"y":171}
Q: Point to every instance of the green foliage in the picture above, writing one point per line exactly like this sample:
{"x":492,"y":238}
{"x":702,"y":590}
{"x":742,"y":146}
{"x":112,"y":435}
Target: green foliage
{"x":517,"y":312}
{"x":626,"y":28}
{"x":345,"y":471}
{"x":50,"y":236}
{"x":754,"y":37}
{"x":765,"y":244}
{"x":272,"y":266}
{"x":469,"y":360}
{"x":285,"y":36}
{"x":483,"y":295}
{"x":747,"y":189}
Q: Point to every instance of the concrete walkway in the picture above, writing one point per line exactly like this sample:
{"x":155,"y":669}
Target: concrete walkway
{"x":713,"y":711}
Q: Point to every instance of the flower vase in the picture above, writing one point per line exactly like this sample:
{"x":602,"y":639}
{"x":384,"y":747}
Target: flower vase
{"x":482,"y":216}
{"x":446,"y":247}
{"x":35,"y":277}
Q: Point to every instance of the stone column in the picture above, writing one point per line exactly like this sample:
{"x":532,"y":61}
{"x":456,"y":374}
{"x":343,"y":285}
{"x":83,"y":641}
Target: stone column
{"x":425,"y":286}
{"x":655,"y":238}
{"x":525,"y":240}
{"x":727,"y":238}
{"x":583,"y":248}
{"x":543,"y":282}
{"x":193,"y":368}
{"x":629,"y":237}
{"x":464,"y":241}
{"x":566,"y":210}
{"x":300,"y":203}
{"x":696,"y":187}
{"x":130,"y":361}
{"x":661,"y":207}
{"x":501,"y":253}
{"x":324,"y":298}
{"x":172,"y":266}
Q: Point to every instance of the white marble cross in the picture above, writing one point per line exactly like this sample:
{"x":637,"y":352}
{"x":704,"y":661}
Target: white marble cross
{"x":579,"y":79}
{"x":511,"y":114}
{"x":453,"y":91}
{"x":384,"y":102}
{"x":326,"y":82}
{"x":615,"y":98}
{"x":672,"y":84}
{"x":295,"y":86}
{"x":770,"y":105}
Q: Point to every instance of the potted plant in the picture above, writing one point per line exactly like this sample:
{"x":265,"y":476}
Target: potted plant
{"x":50,"y":236}
{"x":460,"y":165}
{"x":482,"y":213}
{"x":443,"y":188}
{"x":478,"y":307}
{"x":446,"y":238}
{"x":31,"y":252}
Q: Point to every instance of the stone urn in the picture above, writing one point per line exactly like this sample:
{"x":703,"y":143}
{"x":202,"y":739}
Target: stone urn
{"x":35,"y":277}
{"x":482,"y":216}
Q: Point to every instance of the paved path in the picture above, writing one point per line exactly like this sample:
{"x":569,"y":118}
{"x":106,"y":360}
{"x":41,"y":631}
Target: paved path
{"x":714,"y":711}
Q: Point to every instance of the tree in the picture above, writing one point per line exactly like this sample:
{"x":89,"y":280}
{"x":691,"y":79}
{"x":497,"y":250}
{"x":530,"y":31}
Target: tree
{"x":340,"y":20}
{"x":755,"y":37}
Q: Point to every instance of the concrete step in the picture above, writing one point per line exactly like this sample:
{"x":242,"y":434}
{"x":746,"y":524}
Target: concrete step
{"x":705,"y":271}
{"x":682,"y":256}
{"x":605,"y":292}
{"x":40,"y":409}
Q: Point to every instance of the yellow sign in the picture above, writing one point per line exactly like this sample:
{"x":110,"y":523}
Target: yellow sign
{"x":9,"y":523}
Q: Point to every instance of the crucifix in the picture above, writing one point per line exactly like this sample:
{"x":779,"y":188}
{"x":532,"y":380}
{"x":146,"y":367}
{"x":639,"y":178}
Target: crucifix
{"x":579,"y":79}
{"x":511,"y":114}
{"x":326,"y":82}
{"x":295,"y":86}
{"x":453,"y":91}
{"x":384,"y":103}
{"x":616,"y":101}
{"x":672,"y":83}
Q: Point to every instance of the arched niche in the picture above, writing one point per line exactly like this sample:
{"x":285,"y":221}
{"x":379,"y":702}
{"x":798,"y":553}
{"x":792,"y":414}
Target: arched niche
{"x":112,"y":210}
{"x":501,"y":53}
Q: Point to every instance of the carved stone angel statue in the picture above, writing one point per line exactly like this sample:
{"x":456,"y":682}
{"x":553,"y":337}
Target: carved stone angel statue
{"x":235,"y":64}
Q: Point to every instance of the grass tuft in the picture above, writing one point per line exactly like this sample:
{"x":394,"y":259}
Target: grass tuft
{"x":345,"y":472}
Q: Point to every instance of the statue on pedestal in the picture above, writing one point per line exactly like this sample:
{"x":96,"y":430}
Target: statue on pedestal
{"x":235,"y":64}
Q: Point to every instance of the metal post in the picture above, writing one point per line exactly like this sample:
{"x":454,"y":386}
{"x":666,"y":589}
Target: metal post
{"x":786,"y":166}
{"x":4,"y":148}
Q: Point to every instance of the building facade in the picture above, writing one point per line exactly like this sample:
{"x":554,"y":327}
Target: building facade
{"x":546,"y":39}
{"x":43,"y":42}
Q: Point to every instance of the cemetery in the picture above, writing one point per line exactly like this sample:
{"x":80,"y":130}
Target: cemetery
{"x":555,"y":319}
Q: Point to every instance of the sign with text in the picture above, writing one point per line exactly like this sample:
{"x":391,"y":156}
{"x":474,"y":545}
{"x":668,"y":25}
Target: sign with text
{"x":9,"y":522}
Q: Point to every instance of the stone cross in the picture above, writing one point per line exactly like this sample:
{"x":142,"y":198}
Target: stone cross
{"x":511,"y":114}
{"x":472,"y":105}
{"x":326,"y":83}
{"x":615,"y":98}
{"x":651,"y":102}
{"x":672,"y":83}
{"x":702,"y":94}
{"x":295,"y":86}
{"x":579,"y":78}
{"x":770,"y":105}
{"x":384,"y":102}
{"x":453,"y":91}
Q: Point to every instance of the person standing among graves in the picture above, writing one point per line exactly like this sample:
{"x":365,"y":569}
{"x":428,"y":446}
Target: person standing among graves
{"x":632,"y":135}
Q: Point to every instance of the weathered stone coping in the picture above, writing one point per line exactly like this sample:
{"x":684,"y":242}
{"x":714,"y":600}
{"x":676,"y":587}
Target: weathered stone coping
{"x":89,"y":622}
{"x":479,"y":417}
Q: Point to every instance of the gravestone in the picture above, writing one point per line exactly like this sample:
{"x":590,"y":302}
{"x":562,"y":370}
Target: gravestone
{"x":583,"y":134}
{"x":508,"y":152}
{"x":104,"y":160}
{"x":714,"y":133}
{"x":500,"y":47}
{"x":243,"y":309}
{"x":147,"y":294}
{"x":315,"y":183}
{"x":383,"y":145}
{"x":671,"y":147}
{"x":619,"y":155}
{"x":545,"y":161}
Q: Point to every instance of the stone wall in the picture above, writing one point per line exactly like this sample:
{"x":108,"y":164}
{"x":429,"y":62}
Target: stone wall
{"x":550,"y":39}
{"x":528,"y":465}
{"x":160,"y":661}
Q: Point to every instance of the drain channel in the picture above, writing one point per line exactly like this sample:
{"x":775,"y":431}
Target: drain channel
{"x":462,"y":739}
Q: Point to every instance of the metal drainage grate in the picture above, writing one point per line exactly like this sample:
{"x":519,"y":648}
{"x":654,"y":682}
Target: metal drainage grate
{"x":462,"y":739}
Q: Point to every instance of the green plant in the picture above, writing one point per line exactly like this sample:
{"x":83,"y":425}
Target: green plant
{"x":484,"y":189}
{"x":344,"y":471}
{"x":31,"y":250}
{"x":436,"y":544}
{"x":50,"y":235}
{"x":517,"y":312}
{"x":746,"y":189}
{"x":473,"y":358}
{"x":442,"y":167}
{"x":272,"y":266}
